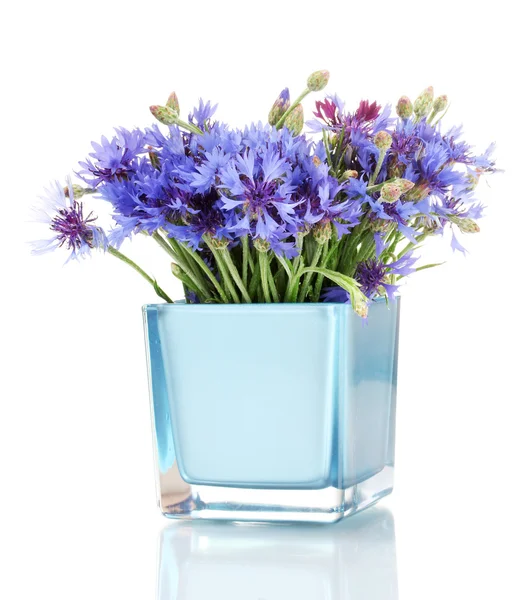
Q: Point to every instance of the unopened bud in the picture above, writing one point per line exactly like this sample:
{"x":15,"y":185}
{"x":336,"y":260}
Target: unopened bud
{"x":405,"y":185}
{"x":322,"y":232}
{"x":404,"y":107}
{"x":360,"y":307}
{"x":77,"y":191}
{"x":423,"y":103}
{"x":280,"y":106}
{"x":393,"y":190}
{"x":418,"y":192}
{"x":154,"y":160}
{"x":440,"y":103}
{"x":173,"y":102}
{"x":164,"y":114}
{"x":177,"y":271}
{"x":350,"y":174}
{"x":467,"y":226}
{"x":318,"y":81}
{"x":261,"y":245}
{"x":295,"y":120}
{"x":383,"y":140}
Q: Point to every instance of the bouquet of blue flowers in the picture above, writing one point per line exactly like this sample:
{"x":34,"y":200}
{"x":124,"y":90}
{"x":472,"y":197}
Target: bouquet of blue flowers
{"x":267,"y":214}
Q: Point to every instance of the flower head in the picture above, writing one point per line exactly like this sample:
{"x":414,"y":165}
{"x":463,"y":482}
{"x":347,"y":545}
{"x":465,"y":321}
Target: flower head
{"x":71,"y":228}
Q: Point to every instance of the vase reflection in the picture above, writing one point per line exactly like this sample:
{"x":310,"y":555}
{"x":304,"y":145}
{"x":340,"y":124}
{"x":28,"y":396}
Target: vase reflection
{"x":352,"y":560}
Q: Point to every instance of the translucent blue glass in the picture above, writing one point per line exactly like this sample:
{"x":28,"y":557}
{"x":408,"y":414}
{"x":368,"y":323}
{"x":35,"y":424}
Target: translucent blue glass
{"x":272,"y":412}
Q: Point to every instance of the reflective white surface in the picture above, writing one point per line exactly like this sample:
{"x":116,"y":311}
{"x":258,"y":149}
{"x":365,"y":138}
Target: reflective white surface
{"x":354,"y":559}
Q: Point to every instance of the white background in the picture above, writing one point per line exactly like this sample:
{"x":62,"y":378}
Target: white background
{"x":77,"y":511}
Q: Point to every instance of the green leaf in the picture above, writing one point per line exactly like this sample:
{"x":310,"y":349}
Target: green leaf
{"x":430,"y":266}
{"x":161,"y":293}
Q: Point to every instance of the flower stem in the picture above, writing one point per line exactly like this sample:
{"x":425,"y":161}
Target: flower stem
{"x":148,"y":278}
{"x":208,"y":272}
{"x":264,"y":265}
{"x":297,"y":101}
{"x":308,"y":276}
{"x":272,"y":283}
{"x":175,"y":251}
{"x":320,"y":277}
{"x":222,"y":269}
{"x":234,"y":273}
{"x":379,"y":164}
{"x":245,"y":258}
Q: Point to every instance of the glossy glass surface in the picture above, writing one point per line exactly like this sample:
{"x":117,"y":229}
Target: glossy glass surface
{"x":355,"y":560}
{"x":274,"y":412}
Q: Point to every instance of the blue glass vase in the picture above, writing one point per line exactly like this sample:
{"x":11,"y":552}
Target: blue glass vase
{"x":277,"y":412}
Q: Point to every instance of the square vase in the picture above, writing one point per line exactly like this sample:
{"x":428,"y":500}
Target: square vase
{"x":277,"y":412}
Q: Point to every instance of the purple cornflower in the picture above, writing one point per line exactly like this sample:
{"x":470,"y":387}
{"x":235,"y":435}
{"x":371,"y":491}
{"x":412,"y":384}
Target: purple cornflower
{"x":72,"y":229}
{"x":202,"y":114}
{"x":112,"y":159}
{"x":254,"y":187}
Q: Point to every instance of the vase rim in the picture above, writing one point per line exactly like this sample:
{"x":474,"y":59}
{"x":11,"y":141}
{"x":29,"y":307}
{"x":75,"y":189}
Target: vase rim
{"x":181,"y":304}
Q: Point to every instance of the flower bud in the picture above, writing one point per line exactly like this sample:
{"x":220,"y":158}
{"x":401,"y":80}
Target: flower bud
{"x":177,"y":271}
{"x":173,"y":102}
{"x":322,"y":232}
{"x":318,"y":81}
{"x":383,"y":140}
{"x":154,"y":160}
{"x":423,"y":103}
{"x":77,"y":191}
{"x":261,"y":245}
{"x":404,"y":107}
{"x":440,"y":103}
{"x":405,"y":185}
{"x":280,"y":106}
{"x":164,"y":114}
{"x":295,"y":120}
{"x":360,"y":307}
{"x":350,"y":174}
{"x":467,"y":226}
{"x":393,"y":190}
{"x":418,"y":192}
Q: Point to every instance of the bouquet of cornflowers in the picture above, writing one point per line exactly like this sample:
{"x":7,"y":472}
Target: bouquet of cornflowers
{"x":266,"y":214}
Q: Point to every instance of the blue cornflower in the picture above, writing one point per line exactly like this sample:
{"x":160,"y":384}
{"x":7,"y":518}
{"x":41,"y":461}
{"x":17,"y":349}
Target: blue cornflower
{"x":112,"y":159}
{"x":254,"y":188}
{"x":205,"y":217}
{"x":72,"y":229}
{"x":202,"y":114}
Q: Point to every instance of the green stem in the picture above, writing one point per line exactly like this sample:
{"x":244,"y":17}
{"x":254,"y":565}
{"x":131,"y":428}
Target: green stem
{"x":308,"y":276}
{"x":175,"y":251}
{"x":209,"y":273}
{"x":379,"y":164}
{"x":296,"y":265}
{"x":148,"y":278}
{"x":253,"y":286}
{"x":234,"y":273}
{"x":189,"y":127}
{"x":264,"y":262}
{"x":272,"y":283}
{"x":297,"y":101}
{"x":320,"y":277}
{"x":222,"y":269}
{"x":376,"y":188}
{"x":245,"y":258}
